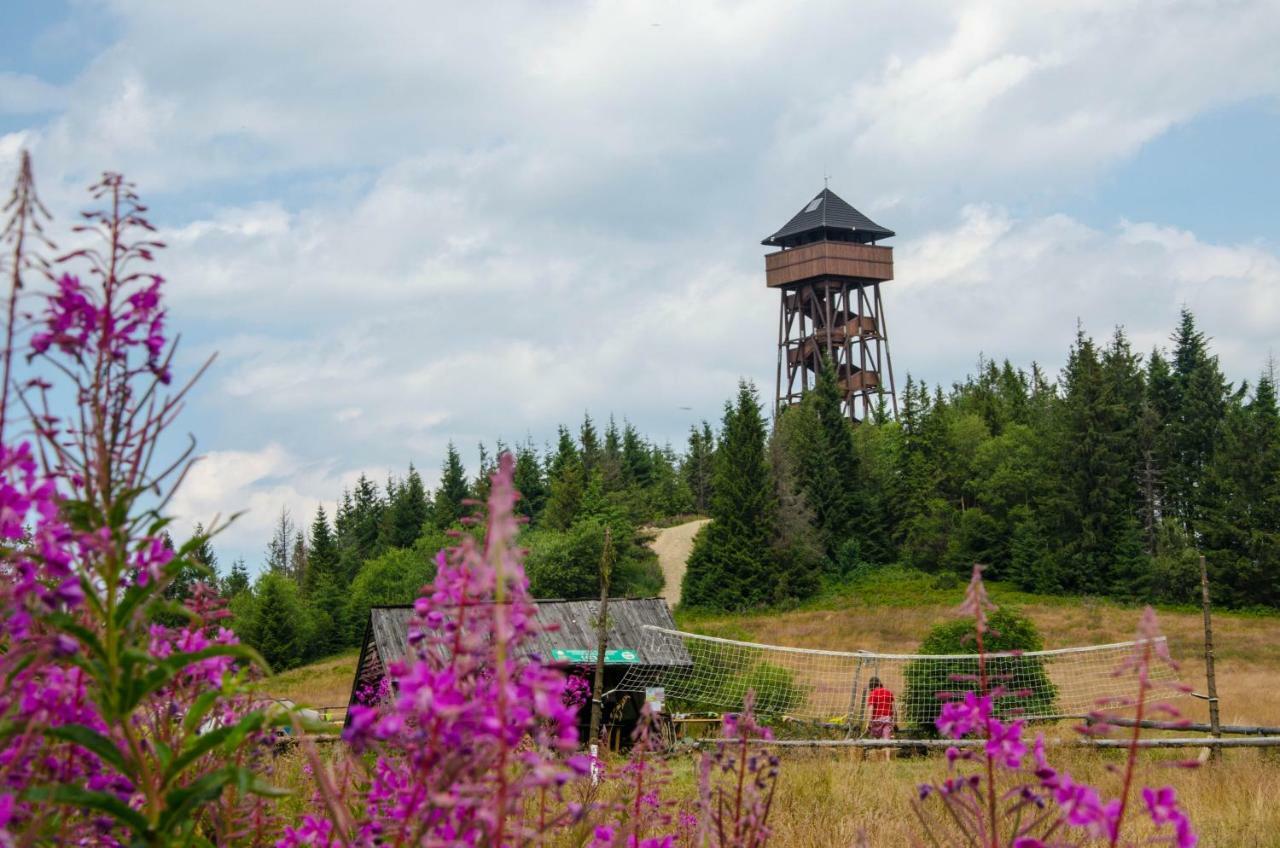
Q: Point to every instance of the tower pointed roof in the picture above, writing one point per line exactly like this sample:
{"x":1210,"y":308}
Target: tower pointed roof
{"x":827,"y":216}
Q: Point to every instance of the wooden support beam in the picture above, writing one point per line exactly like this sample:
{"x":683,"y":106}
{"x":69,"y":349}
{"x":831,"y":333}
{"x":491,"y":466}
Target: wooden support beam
{"x":1179,"y":742}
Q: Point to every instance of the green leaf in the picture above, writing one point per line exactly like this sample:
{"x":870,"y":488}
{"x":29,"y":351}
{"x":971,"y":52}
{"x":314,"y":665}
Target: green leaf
{"x":19,"y":667}
{"x":229,"y":735}
{"x":199,"y":709}
{"x":164,"y":754}
{"x":258,"y":786}
{"x":180,"y":802}
{"x":103,"y":802}
{"x":80,"y":514}
{"x":133,"y":598}
{"x":87,"y":737}
{"x":164,"y":670}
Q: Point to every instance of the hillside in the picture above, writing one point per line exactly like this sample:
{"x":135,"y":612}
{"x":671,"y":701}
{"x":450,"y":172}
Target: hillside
{"x":892,"y":609}
{"x":673,"y":546}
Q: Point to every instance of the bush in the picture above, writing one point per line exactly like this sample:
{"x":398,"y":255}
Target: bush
{"x":1009,"y":631}
{"x":1175,"y":576}
{"x":395,"y":577}
{"x":566,"y":564}
{"x":775,"y":688}
{"x":848,"y":560}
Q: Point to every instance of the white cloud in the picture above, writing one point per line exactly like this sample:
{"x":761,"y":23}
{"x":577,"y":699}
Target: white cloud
{"x":1015,"y":288}
{"x":401,"y":226}
{"x":257,"y":484}
{"x":24,"y":94}
{"x":582,"y":98}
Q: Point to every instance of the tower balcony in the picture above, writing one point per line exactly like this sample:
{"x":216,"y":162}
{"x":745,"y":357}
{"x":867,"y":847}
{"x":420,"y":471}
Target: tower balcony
{"x":820,"y":259}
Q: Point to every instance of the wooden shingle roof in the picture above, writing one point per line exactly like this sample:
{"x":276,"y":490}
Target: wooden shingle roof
{"x":570,"y":625}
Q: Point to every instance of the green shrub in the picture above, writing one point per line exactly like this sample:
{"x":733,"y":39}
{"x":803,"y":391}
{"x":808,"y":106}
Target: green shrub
{"x":395,"y":577}
{"x":566,"y":563}
{"x":775,"y":688}
{"x":1009,"y":631}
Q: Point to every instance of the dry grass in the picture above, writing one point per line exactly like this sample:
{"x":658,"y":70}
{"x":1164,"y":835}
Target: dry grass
{"x":326,"y":683}
{"x":828,"y":798}
{"x":884,"y":619}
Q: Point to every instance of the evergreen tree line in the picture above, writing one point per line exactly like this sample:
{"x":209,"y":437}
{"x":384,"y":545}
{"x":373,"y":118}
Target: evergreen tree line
{"x":317,"y":583}
{"x":1110,"y":480}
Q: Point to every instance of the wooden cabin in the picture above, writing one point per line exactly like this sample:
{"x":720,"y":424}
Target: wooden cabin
{"x":567,"y":640}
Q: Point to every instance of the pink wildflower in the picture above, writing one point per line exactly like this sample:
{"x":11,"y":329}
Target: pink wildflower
{"x":1004,"y":743}
{"x":960,"y":718}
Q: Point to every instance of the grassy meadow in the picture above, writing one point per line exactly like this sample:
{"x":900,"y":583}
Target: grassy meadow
{"x":830,"y":797}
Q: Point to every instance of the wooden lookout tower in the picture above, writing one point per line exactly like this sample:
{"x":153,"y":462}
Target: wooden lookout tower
{"x":828,"y":269}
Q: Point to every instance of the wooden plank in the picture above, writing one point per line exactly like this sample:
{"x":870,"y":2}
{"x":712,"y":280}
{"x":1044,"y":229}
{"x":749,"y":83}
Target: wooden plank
{"x":829,"y":258}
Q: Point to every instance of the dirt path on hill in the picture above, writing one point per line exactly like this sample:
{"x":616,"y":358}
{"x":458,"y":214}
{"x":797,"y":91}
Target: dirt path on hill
{"x":673,"y":546}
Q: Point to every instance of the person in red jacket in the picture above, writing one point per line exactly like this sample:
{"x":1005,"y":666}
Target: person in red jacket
{"x":880,"y":712}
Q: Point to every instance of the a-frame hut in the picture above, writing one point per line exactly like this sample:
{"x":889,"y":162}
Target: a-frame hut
{"x":568,"y":638}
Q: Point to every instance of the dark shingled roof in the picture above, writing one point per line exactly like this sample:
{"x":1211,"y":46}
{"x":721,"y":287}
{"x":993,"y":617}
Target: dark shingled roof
{"x":386,"y":638}
{"x":827,"y":216}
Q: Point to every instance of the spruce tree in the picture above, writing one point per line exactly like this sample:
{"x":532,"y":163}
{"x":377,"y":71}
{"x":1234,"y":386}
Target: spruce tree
{"x":589,"y":441}
{"x":298,"y":558}
{"x":797,"y":545}
{"x":1155,"y":445}
{"x":407,"y":511}
{"x":696,"y":469}
{"x":202,"y":568}
{"x":566,"y":454}
{"x":611,"y":472}
{"x":1240,"y":522}
{"x":530,"y":483}
{"x":279,"y":547}
{"x":732,"y":566}
{"x":637,"y":464}
{"x":1197,"y":421}
{"x":323,"y":554}
{"x":277,"y":626}
{"x":1096,"y":514}
{"x":1124,"y":394}
{"x":668,"y":494}
{"x":452,"y":491}
{"x":367,"y":507}
{"x":565,"y":499}
{"x":237,"y":579}
{"x":829,"y":466}
{"x":488,"y":464}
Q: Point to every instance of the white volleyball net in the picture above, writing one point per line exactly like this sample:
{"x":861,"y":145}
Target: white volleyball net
{"x":831,"y":687}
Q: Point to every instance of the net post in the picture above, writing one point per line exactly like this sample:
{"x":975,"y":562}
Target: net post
{"x":1215,"y":728}
{"x":854,"y":712}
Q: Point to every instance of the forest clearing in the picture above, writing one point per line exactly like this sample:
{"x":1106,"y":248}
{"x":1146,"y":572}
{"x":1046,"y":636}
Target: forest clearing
{"x":639,"y":425}
{"x":827,"y":797}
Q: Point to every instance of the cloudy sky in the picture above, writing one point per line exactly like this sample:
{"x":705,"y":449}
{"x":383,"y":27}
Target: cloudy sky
{"x":401,"y":224}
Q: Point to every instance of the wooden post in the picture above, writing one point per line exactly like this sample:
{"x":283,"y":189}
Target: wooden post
{"x":602,"y":635}
{"x":1215,"y":728}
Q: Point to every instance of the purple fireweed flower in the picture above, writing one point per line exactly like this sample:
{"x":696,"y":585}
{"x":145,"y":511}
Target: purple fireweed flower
{"x":960,"y":718}
{"x":1004,"y":743}
{"x":469,"y":726}
{"x":976,"y":602}
{"x":995,"y":799}
{"x":150,"y":559}
{"x":311,"y":832}
{"x":1162,"y":805}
